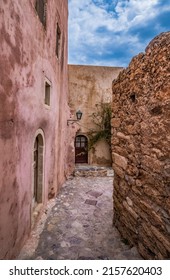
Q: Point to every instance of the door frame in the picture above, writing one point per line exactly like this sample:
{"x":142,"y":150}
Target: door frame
{"x":37,"y":204}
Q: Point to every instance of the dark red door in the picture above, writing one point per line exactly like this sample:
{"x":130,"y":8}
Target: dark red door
{"x":81,"y":149}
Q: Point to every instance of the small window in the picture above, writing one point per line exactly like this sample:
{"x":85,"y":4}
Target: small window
{"x":47,"y":93}
{"x":40,"y":6}
{"x":58,"y":40}
{"x":81,"y":142}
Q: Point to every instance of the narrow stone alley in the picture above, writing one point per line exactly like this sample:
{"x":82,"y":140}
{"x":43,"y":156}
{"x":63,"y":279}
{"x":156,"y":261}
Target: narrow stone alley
{"x":79,"y":225}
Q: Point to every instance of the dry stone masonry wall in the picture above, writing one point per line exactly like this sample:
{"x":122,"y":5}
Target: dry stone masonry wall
{"x":141,"y":150}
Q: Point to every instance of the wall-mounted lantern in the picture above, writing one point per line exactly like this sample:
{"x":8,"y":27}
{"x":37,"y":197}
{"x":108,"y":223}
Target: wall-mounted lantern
{"x":78,"y":115}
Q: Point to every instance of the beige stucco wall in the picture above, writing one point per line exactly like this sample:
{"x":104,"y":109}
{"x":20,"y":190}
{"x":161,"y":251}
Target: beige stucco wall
{"x":90,"y":85}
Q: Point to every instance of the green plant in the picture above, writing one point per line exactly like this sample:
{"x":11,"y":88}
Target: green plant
{"x":102,"y":120}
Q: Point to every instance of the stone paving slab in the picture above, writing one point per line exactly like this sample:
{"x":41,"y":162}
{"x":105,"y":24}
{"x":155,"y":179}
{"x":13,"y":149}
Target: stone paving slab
{"x":76,"y":230}
{"x":95,"y":194}
{"x":91,"y":202}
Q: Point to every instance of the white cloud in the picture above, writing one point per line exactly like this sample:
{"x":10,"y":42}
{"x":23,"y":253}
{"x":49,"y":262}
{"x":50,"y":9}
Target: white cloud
{"x":86,"y":18}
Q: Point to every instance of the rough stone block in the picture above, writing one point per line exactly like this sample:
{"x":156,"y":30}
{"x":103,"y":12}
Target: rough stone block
{"x":115,"y":122}
{"x":118,"y":171}
{"x":123,"y":136}
{"x":130,"y":210}
{"x":120,"y":160}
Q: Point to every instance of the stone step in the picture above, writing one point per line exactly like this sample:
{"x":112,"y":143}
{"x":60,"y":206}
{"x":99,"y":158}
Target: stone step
{"x":92,"y":171}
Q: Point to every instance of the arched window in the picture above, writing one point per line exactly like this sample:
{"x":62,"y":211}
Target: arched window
{"x":81,"y":149}
{"x":40,"y":6}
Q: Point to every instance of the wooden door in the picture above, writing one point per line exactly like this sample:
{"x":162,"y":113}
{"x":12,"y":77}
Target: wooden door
{"x":81,"y":149}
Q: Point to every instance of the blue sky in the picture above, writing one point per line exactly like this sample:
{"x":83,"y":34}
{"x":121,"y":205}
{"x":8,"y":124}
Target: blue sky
{"x":112,"y":32}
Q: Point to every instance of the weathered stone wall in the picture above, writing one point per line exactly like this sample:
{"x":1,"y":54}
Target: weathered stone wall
{"x":141,"y":150}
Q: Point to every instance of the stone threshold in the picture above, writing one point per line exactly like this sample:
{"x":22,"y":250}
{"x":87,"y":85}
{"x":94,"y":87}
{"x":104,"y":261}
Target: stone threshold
{"x":92,"y":171}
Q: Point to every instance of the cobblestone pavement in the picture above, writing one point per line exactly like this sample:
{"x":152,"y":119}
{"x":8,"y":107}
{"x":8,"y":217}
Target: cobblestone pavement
{"x":79,"y":225}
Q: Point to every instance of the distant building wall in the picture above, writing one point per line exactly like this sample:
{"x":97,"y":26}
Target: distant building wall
{"x":33,"y":114}
{"x":88,"y":86}
{"x":141,"y":150}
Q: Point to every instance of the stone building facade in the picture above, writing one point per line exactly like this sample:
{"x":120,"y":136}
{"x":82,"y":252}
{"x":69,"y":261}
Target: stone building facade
{"x":88,"y":86}
{"x":33,"y":113}
{"x":141,"y":150}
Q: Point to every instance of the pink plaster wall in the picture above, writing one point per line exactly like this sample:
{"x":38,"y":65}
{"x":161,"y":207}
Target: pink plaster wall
{"x":27,"y":57}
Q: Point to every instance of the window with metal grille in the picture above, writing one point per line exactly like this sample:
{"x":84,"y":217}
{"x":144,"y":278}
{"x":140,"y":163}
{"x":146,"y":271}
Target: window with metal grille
{"x":40,"y":6}
{"x":81,"y":142}
{"x":58,"y":40}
